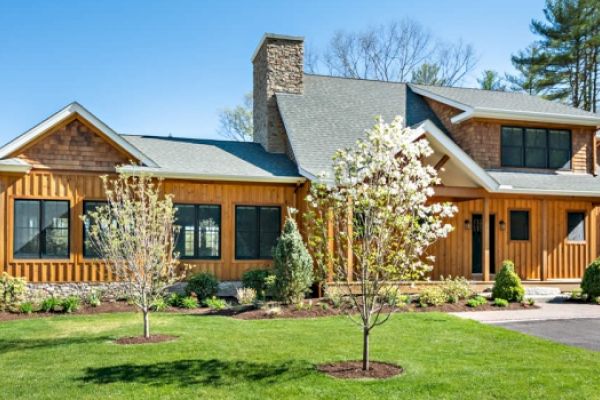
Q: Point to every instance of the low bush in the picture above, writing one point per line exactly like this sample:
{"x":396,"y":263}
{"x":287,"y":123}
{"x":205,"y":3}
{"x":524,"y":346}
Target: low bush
{"x":335,"y":295}
{"x":245,"y":296}
{"x":529,"y":301}
{"x":257,"y":279}
{"x":590,"y":284}
{"x":499,"y":302}
{"x":508,"y":285}
{"x":159,"y":305}
{"x":12,"y":290}
{"x":216,"y":304}
{"x":174,"y":300}
{"x":432,"y":296}
{"x":93,"y":299}
{"x":203,"y":285}
{"x":476,"y":301}
{"x":391,"y":296}
{"x":26,"y":307}
{"x":51,"y":304}
{"x":70,"y":304}
{"x":189,"y":302}
{"x":456,"y":289}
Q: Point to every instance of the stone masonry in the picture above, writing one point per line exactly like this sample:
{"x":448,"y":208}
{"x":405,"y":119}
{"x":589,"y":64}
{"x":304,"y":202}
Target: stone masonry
{"x":278,"y":68}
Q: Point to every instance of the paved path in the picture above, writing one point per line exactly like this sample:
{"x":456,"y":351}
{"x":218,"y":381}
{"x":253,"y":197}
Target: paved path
{"x":547,"y":311}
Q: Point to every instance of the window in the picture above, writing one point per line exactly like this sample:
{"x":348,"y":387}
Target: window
{"x":89,"y":251}
{"x":256,"y":231}
{"x":519,"y":225}
{"x":200,"y":231}
{"x":41,"y":229}
{"x":576,"y":226}
{"x":535,"y":148}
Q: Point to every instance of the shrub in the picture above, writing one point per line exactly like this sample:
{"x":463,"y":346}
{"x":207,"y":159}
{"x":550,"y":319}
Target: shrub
{"x":70,"y":304}
{"x":508,"y":284}
{"x":292,"y":264}
{"x":456,"y":289}
{"x":256,"y":279}
{"x":26,"y":307}
{"x":590,"y":284}
{"x":499,"y":302}
{"x":477,"y":301}
{"x":528,"y":302}
{"x":391,"y":296}
{"x":245,"y":296}
{"x":174,"y":300}
{"x":324,"y":306}
{"x":335,"y":295}
{"x":432,"y":296}
{"x":189,"y":302}
{"x":159,"y":305}
{"x":51,"y":304}
{"x":215,"y":303}
{"x":203,"y":285}
{"x":93,"y":299}
{"x":576,"y":294}
{"x":12,"y":290}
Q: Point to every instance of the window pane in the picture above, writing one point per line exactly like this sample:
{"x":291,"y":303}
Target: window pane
{"x":186,"y":240}
{"x":246,"y":232}
{"x":519,"y":225}
{"x":270,"y":226}
{"x":559,"y":139}
{"x":576,"y":226}
{"x":512,"y":147}
{"x":535,"y":138}
{"x":559,"y":143}
{"x":55,"y":228}
{"x":27,"y":229}
{"x":559,"y":159}
{"x":89,"y":250}
{"x":535,"y":158}
{"x":512,"y":157}
{"x":512,"y":136}
{"x":209,"y":230}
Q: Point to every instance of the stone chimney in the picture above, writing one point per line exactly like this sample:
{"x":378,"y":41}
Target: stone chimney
{"x":278,"y":63}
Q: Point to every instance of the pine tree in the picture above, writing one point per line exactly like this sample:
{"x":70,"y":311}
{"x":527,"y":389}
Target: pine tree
{"x":529,"y":66}
{"x":490,"y":80}
{"x":427,"y":74}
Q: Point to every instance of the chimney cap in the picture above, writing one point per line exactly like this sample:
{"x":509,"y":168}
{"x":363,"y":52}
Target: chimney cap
{"x":274,"y":36}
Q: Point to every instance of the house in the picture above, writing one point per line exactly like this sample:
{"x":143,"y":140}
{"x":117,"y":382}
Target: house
{"x":521,"y":170}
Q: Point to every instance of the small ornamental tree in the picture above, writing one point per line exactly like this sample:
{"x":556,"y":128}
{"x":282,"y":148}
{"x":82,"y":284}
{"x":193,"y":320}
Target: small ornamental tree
{"x":135,"y":234}
{"x":372,"y":222}
{"x":292,"y":265}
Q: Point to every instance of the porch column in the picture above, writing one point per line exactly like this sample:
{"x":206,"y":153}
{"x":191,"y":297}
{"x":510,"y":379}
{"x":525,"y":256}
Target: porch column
{"x":486,"y":239}
{"x":544,"y":263}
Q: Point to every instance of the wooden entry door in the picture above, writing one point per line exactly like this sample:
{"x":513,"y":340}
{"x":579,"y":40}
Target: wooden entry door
{"x":477,"y":244}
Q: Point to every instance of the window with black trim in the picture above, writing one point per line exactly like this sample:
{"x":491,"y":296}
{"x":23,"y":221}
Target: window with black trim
{"x":519,"y":225}
{"x":576,"y":226}
{"x":199,"y":232}
{"x":535,"y":148}
{"x":257,"y":229}
{"x":89,"y":251}
{"x":41,"y":229}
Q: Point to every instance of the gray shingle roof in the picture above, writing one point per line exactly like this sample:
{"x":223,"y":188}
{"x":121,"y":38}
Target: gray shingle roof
{"x":507,"y":101}
{"x":213,"y":157}
{"x":568,"y":182}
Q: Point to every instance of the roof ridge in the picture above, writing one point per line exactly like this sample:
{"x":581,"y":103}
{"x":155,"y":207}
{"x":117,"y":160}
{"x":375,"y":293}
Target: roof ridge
{"x":183,"y":138}
{"x":350,"y":78}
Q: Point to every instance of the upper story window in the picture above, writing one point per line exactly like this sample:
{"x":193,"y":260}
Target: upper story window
{"x":535,"y":148}
{"x":41,"y":229}
{"x":200,"y":231}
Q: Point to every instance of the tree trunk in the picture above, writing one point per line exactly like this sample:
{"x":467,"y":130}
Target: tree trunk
{"x":365,"y":349}
{"x":146,"y":323}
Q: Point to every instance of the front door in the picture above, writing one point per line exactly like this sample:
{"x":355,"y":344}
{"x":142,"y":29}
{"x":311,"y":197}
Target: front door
{"x":477,"y":242}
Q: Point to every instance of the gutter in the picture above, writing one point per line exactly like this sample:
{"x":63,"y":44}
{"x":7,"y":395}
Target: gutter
{"x":525,"y":116}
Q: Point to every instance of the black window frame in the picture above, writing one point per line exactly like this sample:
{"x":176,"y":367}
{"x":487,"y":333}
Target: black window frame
{"x":583,"y":215}
{"x":196,"y":255}
{"x":42,"y":232}
{"x":84,"y":234}
{"x":523,"y":148}
{"x":510,"y":228}
{"x":257,"y":235}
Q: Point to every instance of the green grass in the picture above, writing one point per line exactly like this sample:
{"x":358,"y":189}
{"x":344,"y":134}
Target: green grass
{"x":72,"y":357}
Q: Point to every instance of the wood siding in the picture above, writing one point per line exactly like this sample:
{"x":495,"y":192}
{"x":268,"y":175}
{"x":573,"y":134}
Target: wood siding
{"x":80,"y":187}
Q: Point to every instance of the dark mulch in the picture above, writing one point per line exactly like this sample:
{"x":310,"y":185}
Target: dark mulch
{"x":353,"y":370}
{"x":144,"y":340}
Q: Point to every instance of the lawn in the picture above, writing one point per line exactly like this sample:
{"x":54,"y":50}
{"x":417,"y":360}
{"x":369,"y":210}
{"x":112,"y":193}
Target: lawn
{"x":73,"y":357}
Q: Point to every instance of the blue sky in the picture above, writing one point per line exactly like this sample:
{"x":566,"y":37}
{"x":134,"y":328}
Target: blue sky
{"x":160,"y":67}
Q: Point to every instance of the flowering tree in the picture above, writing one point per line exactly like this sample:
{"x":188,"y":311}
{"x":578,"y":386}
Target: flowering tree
{"x":373,"y":222}
{"x":135,"y":234}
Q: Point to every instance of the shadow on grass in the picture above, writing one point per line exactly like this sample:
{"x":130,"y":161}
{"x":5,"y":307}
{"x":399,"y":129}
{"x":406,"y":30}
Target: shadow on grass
{"x":198,"y":372}
{"x":8,"y":345}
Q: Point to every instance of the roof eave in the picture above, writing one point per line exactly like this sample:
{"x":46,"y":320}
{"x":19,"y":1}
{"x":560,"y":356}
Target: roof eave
{"x":525,"y":116}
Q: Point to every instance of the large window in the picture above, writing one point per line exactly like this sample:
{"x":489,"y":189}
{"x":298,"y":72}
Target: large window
{"x":41,"y":229}
{"x":89,"y":250}
{"x":256,"y":231}
{"x":519,"y":225}
{"x":536,"y":148}
{"x":576,"y":226}
{"x":200,"y":231}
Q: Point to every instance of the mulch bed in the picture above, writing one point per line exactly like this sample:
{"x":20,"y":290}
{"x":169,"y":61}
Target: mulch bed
{"x":353,"y":370}
{"x":144,"y":340}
